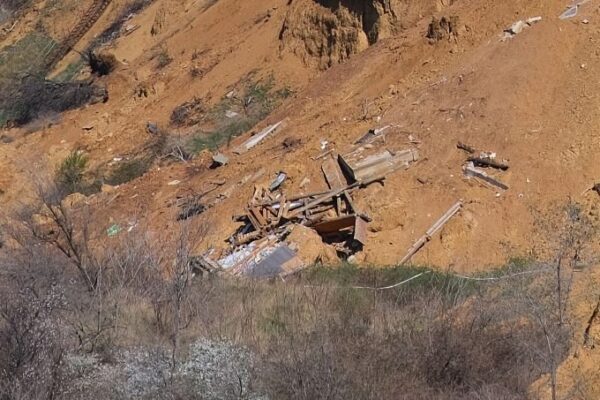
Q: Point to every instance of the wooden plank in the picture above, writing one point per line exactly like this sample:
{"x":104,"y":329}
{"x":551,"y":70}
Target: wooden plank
{"x":333,"y":174}
{"x":486,"y":162}
{"x":350,"y":203}
{"x":256,"y":212}
{"x":256,"y":139}
{"x":432,"y":231}
{"x":254,"y":219}
{"x":472,"y":171}
{"x":469,"y":149}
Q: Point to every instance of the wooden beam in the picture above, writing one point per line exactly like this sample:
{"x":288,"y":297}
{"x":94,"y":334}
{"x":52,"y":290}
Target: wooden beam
{"x":439,"y":224}
{"x":486,"y":162}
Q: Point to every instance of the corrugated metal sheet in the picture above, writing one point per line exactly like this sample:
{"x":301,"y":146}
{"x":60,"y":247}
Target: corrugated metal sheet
{"x":282,"y":261}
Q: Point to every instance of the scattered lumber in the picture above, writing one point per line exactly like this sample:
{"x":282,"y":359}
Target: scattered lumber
{"x":333,"y":212}
{"x":371,"y":135}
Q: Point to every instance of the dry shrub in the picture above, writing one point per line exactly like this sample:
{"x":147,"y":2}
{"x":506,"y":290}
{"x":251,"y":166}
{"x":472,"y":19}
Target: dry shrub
{"x":313,"y":337}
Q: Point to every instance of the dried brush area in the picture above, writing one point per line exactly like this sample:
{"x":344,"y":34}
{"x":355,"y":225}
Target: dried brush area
{"x":25,"y":100}
{"x":132,"y":320}
{"x":25,"y":95}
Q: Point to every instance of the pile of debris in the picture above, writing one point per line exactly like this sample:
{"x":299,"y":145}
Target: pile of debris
{"x":331,"y":213}
{"x":258,"y":246}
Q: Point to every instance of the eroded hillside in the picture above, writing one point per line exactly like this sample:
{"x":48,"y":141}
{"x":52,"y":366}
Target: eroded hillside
{"x":188,"y":80}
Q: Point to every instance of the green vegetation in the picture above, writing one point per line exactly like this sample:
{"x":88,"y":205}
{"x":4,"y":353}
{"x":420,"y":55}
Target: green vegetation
{"x":69,"y":73}
{"x":236,"y":114}
{"x":27,"y":56}
{"x":70,"y":173}
{"x":325,"y":333}
{"x":213,"y":140}
{"x":25,"y":94}
{"x":129,"y":170}
{"x":10,"y":7}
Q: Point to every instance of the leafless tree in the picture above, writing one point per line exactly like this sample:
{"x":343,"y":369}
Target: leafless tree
{"x":49,"y":222}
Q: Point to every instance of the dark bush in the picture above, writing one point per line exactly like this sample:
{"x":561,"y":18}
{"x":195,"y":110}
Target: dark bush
{"x":129,"y":170}
{"x":23,"y":100}
{"x":101,"y":64}
{"x":188,"y":113}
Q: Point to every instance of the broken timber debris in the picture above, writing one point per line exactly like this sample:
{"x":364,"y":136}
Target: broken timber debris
{"x":256,"y":139}
{"x":484,"y":159}
{"x":335,"y":228}
{"x":323,"y":154}
{"x":267,"y":214}
{"x":333,"y":174}
{"x":258,"y":249}
{"x":463,"y":146}
{"x":439,"y":224}
{"x":487,"y":162}
{"x":471,"y":171}
{"x":363,"y":164}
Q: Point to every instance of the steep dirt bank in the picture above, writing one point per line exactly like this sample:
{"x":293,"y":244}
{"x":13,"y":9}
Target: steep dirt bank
{"x":324,"y":32}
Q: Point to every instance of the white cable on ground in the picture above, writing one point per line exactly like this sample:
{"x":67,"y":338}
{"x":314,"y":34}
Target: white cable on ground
{"x":496,"y":278}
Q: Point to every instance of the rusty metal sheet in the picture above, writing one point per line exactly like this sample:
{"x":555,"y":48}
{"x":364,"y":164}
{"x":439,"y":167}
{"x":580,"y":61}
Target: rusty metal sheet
{"x":360,"y":231}
{"x":282,"y":261}
{"x":335,"y":225}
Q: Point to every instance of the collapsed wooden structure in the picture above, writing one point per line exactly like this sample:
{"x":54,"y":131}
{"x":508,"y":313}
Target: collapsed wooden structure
{"x":331,"y":213}
{"x":257,"y":247}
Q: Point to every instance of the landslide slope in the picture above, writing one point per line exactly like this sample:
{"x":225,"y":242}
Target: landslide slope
{"x":351,"y":66}
{"x":530,"y":99}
